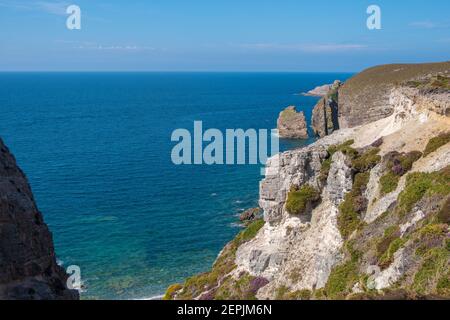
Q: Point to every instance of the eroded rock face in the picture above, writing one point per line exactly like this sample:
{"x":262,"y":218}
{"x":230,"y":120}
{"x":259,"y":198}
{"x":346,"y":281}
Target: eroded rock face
{"x":300,"y":252}
{"x":28,"y":268}
{"x":292,"y":124}
{"x":339,"y":180}
{"x":325,"y":113}
{"x":290,"y":168}
{"x":249,"y":215}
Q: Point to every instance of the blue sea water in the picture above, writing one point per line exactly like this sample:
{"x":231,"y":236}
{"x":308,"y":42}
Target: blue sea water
{"x":96,"y":148}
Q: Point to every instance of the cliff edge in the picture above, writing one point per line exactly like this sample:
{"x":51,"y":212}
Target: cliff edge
{"x":28,"y":268}
{"x":364,"y":98}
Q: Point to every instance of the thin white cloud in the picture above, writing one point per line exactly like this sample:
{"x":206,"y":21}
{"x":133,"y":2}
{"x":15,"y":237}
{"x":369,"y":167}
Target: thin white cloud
{"x":89,"y":45}
{"x":312,"y":48}
{"x":426,"y":24}
{"x":116,"y":48}
{"x":423,"y":24}
{"x":333,"y":47}
{"x":58,"y":8}
{"x":50,"y":7}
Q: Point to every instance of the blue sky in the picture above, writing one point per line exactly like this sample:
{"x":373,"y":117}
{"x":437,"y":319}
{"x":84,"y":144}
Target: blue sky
{"x":225,"y":35}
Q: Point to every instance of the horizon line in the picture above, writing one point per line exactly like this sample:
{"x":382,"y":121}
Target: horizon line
{"x":169,"y":71}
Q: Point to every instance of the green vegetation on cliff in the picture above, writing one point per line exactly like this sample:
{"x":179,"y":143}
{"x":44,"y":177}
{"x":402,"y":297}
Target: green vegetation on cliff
{"x":299,"y":200}
{"x":396,"y":165}
{"x":352,"y":206}
{"x":283,"y":293}
{"x":355,"y":203}
{"x":420,"y":184}
{"x":436,"y":142}
{"x":434,"y":83}
{"x":425,"y":245}
{"x":326,"y":164}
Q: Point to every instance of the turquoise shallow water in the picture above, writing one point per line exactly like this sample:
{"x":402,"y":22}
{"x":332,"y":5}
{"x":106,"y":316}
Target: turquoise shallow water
{"x":96,"y":149}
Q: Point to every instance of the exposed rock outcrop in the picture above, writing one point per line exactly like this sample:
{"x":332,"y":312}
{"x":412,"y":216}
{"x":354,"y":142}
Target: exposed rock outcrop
{"x":325,"y":113}
{"x":250,"y":215}
{"x":28,"y":268}
{"x":290,"y":168}
{"x":292,"y":124}
{"x":319,"y":91}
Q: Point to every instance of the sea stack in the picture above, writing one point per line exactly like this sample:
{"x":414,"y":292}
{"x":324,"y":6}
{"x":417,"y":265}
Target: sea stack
{"x":292,"y":124}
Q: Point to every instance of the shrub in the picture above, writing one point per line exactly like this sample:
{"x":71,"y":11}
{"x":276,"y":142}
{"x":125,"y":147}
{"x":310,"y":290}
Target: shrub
{"x":360,"y":204}
{"x":170,"y":292}
{"x":304,"y":294}
{"x":341,"y":280}
{"x":433,"y":267}
{"x":397,"y":164}
{"x":389,"y":183}
{"x":407,"y":160}
{"x":367,"y":160}
{"x":400,"y":163}
{"x":420,"y":184}
{"x":390,"y":234}
{"x":347,"y":150}
{"x":444,"y":214}
{"x":430,"y":236}
{"x":436,"y":142}
{"x":433,"y":229}
{"x":344,"y":148}
{"x":388,"y":256}
{"x":320,"y":294}
{"x":354,"y":254}
{"x":257,"y":283}
{"x":348,"y":218}
{"x":240,"y":289}
{"x":443,"y":285}
{"x":281,"y":292}
{"x":298,"y":201}
{"x":325,"y":169}
{"x":250,"y":232}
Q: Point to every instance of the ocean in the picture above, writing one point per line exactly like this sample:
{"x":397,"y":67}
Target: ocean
{"x":96,"y":148}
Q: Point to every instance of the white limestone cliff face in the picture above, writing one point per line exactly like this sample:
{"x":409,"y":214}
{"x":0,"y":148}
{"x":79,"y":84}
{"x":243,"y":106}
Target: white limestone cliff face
{"x":299,"y":252}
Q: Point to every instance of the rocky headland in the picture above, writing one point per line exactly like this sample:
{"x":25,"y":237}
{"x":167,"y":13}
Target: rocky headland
{"x":319,"y":91}
{"x":363,"y":213}
{"x":28,"y":268}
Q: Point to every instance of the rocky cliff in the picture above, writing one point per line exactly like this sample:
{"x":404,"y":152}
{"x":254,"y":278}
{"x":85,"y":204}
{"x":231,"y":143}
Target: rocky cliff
{"x":28,"y":268}
{"x":365,"y":97}
{"x":363,"y":213}
{"x":325,"y":113}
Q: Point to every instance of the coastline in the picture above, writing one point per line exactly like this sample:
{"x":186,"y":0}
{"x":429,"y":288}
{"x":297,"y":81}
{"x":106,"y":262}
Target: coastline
{"x":339,"y":194}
